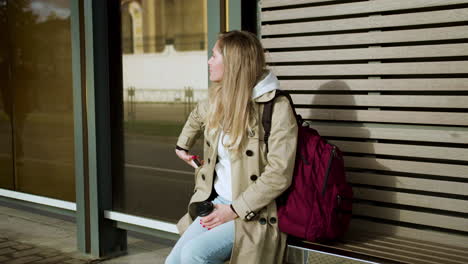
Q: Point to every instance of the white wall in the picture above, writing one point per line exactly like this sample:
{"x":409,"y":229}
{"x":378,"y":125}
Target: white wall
{"x":170,"y":70}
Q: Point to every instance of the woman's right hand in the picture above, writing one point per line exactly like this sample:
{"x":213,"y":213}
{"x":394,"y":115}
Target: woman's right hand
{"x":183,"y":155}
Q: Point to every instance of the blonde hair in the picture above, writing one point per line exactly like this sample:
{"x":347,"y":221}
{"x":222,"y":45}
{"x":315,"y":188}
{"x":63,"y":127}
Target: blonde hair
{"x":231,"y":104}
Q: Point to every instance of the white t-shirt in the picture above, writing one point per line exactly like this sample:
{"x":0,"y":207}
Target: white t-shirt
{"x":222,"y":182}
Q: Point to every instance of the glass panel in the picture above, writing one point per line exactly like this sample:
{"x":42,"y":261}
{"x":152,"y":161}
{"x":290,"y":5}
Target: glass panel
{"x":41,"y":81}
{"x":6,"y":157}
{"x":164,"y":74}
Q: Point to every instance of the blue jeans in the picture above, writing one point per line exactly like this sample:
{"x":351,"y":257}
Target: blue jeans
{"x":198,"y":245}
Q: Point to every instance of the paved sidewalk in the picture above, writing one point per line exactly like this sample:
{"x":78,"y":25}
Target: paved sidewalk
{"x":32,"y":236}
{"x":13,"y":252}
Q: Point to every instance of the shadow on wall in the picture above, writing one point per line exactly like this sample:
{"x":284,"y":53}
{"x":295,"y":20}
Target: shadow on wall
{"x":334,"y":104}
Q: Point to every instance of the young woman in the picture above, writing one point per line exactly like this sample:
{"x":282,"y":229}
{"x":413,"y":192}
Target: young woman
{"x":238,"y":175}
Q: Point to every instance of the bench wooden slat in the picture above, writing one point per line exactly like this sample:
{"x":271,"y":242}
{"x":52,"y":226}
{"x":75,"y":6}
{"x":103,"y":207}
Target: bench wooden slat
{"x":384,"y":116}
{"x":369,"y":38}
{"x":409,"y":183}
{"x":395,"y":257}
{"x":410,"y":246}
{"x":275,"y":3}
{"x":420,"y":218}
{"x":419,"y":200}
{"x":409,"y":133}
{"x":454,"y":67}
{"x":452,"y":84}
{"x":395,"y":254}
{"x":371,"y":22}
{"x":352,"y":9}
{"x":460,"y":154}
{"x":426,"y":101}
{"x":447,"y":240}
{"x":371,"y":53}
{"x":335,"y":250}
{"x":442,"y":169}
{"x":459,"y":253}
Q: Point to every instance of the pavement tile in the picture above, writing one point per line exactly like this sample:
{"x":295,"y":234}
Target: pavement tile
{"x":75,"y":261}
{"x":53,"y":260}
{"x":4,"y":251}
{"x":39,"y":240}
{"x":29,"y":238}
{"x":22,"y":246}
{"x":7,"y":244}
{"x":27,"y":252}
{"x":49,"y":253}
{"x":23,"y":260}
{"x":3,"y":259}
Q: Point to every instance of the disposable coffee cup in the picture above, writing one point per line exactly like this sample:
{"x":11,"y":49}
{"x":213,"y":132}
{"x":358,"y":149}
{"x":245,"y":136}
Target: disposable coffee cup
{"x":205,"y":208}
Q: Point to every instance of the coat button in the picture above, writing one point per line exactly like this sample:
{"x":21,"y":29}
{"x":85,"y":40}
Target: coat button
{"x":208,"y":144}
{"x":249,"y":153}
{"x":272,"y":220}
{"x":203,"y":176}
{"x":262,"y":221}
{"x":194,"y":191}
{"x":253,"y":177}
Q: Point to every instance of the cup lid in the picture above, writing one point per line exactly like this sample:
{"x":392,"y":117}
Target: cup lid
{"x":205,"y":208}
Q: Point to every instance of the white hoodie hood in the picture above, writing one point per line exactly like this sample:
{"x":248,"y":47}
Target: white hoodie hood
{"x":267,"y":84}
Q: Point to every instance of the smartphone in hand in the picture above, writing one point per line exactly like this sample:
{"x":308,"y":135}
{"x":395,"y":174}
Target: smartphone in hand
{"x":196,"y":162}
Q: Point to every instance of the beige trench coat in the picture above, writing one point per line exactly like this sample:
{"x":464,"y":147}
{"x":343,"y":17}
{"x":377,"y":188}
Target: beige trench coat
{"x":257,"y":179}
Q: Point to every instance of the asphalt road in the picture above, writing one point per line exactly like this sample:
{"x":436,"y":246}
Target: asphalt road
{"x":157,"y":183}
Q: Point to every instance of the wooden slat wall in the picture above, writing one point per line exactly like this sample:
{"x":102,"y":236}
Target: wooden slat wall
{"x":386,"y":81}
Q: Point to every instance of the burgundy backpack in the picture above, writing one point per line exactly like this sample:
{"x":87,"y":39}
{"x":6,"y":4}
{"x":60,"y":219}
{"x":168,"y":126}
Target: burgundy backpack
{"x":317,"y":206}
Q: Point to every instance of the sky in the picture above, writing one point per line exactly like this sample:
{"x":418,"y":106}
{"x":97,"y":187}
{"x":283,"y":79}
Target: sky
{"x":43,"y":8}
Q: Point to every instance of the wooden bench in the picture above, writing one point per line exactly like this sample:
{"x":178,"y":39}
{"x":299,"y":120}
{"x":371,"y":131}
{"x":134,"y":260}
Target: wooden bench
{"x":387,"y":82}
{"x":404,"y":211}
{"x":403,"y":218}
{"x":398,"y":217}
{"x":383,"y":248}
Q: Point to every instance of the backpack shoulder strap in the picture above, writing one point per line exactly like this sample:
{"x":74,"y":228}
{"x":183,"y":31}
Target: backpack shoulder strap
{"x":268,"y":114}
{"x":266,"y":119}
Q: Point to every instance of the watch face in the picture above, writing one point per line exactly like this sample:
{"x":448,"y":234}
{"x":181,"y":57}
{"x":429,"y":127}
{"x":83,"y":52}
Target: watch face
{"x":204,"y":208}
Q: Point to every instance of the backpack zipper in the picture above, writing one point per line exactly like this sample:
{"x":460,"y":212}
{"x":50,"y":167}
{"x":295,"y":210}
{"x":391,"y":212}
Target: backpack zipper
{"x":327,"y":173}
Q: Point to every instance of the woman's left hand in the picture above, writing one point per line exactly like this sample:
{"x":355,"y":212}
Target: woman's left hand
{"x":222,"y":214}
